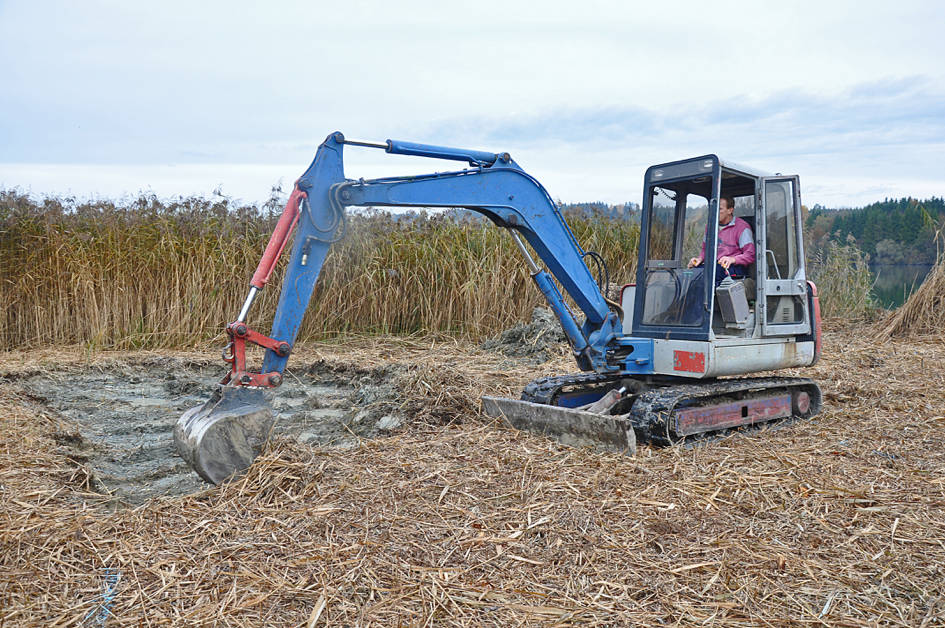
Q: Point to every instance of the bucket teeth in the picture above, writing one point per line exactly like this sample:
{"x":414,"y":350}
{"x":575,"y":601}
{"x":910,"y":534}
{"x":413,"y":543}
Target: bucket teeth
{"x":223,"y":436}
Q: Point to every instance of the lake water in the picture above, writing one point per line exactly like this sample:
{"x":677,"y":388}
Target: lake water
{"x":894,"y":283}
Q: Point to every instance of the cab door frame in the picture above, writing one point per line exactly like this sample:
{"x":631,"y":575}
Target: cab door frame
{"x":773,"y":286}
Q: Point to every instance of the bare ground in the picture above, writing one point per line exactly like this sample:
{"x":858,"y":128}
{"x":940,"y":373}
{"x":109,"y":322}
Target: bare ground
{"x":116,"y":418}
{"x":455,"y":521}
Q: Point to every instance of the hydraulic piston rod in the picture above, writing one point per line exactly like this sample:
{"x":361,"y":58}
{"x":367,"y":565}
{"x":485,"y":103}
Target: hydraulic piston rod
{"x":399,"y":147}
{"x":543,"y":280}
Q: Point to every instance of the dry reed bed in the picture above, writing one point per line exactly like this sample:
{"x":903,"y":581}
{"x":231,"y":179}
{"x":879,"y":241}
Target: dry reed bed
{"x":837,"y":521}
{"x":152,"y":275}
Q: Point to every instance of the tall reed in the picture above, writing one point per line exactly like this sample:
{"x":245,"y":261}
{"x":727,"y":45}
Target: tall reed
{"x":842,"y":275}
{"x":148,"y":274}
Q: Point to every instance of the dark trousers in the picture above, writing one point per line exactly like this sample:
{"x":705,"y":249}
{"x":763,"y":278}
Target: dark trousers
{"x":695,"y":296}
{"x":737,"y":271}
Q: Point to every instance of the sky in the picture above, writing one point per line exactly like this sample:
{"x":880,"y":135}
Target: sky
{"x":103,"y":99}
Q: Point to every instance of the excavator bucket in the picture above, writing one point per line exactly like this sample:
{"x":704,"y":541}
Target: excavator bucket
{"x":222,"y":437}
{"x":569,"y":426}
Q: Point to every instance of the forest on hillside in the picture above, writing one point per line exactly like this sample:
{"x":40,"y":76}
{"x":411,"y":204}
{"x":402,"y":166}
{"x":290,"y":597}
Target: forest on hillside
{"x":892,"y":231}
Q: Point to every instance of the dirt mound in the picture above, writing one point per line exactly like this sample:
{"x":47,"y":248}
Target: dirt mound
{"x":537,"y":341}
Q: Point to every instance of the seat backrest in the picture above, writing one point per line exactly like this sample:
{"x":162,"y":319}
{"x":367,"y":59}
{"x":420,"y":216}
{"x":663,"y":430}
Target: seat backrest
{"x":754,"y":236}
{"x":750,"y":220}
{"x":750,"y":285}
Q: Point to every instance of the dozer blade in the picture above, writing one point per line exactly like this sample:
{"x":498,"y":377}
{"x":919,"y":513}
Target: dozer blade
{"x":575,"y":428}
{"x":224,"y":435}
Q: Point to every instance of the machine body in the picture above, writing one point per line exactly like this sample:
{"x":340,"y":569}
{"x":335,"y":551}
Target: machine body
{"x":649,"y":363}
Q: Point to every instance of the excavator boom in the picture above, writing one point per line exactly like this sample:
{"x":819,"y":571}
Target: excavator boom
{"x":219,"y":437}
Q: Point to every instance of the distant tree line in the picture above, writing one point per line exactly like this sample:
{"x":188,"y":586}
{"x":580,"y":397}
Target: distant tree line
{"x":597,"y":209}
{"x":893,"y":231}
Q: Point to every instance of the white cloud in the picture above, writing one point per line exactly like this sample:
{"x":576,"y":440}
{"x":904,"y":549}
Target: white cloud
{"x":584,"y":95}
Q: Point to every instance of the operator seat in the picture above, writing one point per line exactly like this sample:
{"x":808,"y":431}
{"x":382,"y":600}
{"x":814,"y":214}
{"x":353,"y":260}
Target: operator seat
{"x":749,"y":281}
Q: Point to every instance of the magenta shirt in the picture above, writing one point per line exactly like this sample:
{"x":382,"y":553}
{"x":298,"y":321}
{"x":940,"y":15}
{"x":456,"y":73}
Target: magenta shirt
{"x":735,"y":241}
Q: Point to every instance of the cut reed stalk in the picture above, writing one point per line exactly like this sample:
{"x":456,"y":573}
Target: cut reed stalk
{"x":460,"y":522}
{"x":924,"y":312}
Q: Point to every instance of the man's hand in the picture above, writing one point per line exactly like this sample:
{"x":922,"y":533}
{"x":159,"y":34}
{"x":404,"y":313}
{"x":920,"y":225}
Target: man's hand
{"x":695,"y":261}
{"x":725,"y":261}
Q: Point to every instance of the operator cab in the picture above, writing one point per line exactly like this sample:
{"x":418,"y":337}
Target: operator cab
{"x":680,"y":216}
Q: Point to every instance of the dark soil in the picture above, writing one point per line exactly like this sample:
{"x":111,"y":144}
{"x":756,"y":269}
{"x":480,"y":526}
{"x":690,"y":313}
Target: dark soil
{"x":537,"y":341}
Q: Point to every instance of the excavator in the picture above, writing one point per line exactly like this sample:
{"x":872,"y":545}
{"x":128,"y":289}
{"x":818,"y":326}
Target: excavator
{"x":655,"y":364}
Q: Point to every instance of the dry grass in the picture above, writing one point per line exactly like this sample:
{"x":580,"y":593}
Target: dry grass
{"x":147,"y":274}
{"x":924,"y":312}
{"x":844,"y":283}
{"x":837,"y":521}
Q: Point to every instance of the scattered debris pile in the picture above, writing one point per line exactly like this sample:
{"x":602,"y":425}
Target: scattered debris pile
{"x":538,"y":341}
{"x":837,"y":521}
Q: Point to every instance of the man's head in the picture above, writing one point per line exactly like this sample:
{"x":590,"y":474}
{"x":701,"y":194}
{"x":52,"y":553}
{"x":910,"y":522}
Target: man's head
{"x":726,"y":210}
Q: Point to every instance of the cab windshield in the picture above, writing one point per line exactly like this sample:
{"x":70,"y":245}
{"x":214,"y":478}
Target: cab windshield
{"x":674,"y":295}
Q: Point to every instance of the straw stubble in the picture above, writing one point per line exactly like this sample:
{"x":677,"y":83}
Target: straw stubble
{"x":457,"y":521}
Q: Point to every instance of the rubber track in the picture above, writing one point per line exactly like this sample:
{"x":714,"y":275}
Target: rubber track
{"x":651,"y":413}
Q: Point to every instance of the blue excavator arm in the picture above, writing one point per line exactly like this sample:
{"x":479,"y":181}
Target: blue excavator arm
{"x":494,"y":186}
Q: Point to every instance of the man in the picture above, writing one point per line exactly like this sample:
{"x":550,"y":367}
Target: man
{"x":736,"y":246}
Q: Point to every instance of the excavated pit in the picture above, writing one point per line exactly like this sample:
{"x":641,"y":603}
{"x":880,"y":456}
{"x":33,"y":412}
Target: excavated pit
{"x":118,"y":420}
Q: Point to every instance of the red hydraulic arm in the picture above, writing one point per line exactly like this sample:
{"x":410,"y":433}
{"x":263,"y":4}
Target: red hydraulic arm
{"x":278,"y":239}
{"x":238,"y":331}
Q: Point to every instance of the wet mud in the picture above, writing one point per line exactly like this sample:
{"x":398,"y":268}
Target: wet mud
{"x":118,"y":421}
